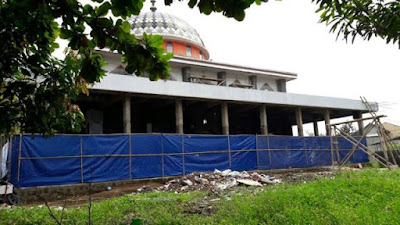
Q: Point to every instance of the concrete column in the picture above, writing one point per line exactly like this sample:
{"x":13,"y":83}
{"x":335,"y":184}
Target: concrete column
{"x":358,"y":115}
{"x":253,"y":81}
{"x":186,"y":74}
{"x":263,"y":120}
{"x":327,"y":115}
{"x":316,"y":132}
{"x":179,"y":116}
{"x":222,"y":75}
{"x":281,"y":83}
{"x":299,"y":122}
{"x":225,"y":118}
{"x":127,"y":114}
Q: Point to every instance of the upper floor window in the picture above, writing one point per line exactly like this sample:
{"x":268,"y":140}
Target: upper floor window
{"x":201,"y":55}
{"x":170,"y":48}
{"x":188,"y":51}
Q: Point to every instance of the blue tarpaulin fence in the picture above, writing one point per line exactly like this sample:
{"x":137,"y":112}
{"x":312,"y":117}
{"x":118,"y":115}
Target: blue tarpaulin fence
{"x":73,"y":159}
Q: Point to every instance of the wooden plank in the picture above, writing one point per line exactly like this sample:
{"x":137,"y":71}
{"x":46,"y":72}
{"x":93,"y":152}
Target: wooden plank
{"x":356,"y":120}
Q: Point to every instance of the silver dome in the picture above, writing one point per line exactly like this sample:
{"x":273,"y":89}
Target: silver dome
{"x":169,"y":26}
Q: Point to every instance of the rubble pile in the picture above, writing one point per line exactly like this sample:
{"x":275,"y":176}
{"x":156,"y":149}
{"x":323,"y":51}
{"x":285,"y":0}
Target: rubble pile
{"x":217,"y":181}
{"x":6,"y":206}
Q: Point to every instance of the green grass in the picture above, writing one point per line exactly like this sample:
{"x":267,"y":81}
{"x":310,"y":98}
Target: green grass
{"x":368,"y":197}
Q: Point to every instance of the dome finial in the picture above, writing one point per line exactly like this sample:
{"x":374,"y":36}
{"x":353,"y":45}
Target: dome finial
{"x":153,"y":8}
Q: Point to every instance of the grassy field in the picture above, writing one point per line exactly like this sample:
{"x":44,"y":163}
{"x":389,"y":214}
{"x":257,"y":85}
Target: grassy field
{"x":366,"y":197}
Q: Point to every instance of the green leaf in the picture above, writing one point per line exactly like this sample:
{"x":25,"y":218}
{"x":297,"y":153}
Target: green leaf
{"x":66,"y":34}
{"x":240,"y":15}
{"x":192,"y":3}
{"x":103,"y":9}
{"x":125,"y":26}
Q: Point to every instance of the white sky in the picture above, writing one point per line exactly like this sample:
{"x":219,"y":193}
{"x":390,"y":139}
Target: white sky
{"x":286,"y":35}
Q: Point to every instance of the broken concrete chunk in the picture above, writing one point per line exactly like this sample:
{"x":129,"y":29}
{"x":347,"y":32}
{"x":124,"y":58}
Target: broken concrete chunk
{"x":217,"y":171}
{"x":184,"y":188}
{"x":226,"y":172}
{"x":204,"y":181}
{"x":188,"y":182}
{"x":234,"y":173}
{"x":249,"y":182}
{"x":266,"y":180}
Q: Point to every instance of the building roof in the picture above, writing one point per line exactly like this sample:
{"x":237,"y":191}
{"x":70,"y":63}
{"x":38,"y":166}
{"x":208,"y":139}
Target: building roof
{"x":232,"y":67}
{"x":142,"y":85}
{"x":167,"y":25}
{"x":394,"y":130}
{"x":218,"y":66}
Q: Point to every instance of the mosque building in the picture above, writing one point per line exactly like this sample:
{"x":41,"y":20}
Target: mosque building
{"x":202,"y":96}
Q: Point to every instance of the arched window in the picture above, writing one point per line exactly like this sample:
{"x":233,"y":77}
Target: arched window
{"x":201,"y":55}
{"x":188,"y":51}
{"x":170,"y":47}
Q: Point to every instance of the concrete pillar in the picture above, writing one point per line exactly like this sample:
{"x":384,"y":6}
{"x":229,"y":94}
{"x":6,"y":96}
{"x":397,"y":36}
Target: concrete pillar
{"x":327,"y":116}
{"x":186,"y":74}
{"x":358,"y":115}
{"x":179,"y":116}
{"x":316,"y":131}
{"x":281,"y":83}
{"x":299,"y":122}
{"x":225,"y":118}
{"x":263,"y":120}
{"x":222,"y":75}
{"x":253,"y":81}
{"x":127,"y":115}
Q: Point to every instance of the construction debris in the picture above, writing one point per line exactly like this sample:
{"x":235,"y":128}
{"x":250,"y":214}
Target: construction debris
{"x":249,"y":182}
{"x":215,"y":181}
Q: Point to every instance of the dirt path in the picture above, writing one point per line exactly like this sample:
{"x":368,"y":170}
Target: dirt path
{"x":286,"y":176}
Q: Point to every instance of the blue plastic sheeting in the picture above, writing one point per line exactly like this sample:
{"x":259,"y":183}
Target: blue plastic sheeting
{"x":244,"y":160}
{"x":172,"y":143}
{"x":173,"y":165}
{"x":242,"y":142}
{"x":146,"y":167}
{"x":206,"y":162}
{"x":194,"y":143}
{"x":104,"y":145}
{"x":72,"y":159}
{"x":42,"y":147}
{"x":106,"y":163}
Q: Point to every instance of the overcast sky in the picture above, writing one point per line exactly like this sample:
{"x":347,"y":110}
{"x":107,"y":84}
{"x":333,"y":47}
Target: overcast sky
{"x":285,"y":35}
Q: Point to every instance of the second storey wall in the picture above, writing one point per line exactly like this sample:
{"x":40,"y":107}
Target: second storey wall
{"x":263,"y":82}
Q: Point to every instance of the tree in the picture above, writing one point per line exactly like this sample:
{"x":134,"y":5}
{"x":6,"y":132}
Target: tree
{"x":37,"y":91}
{"x":364,"y":18}
{"x":348,"y":128}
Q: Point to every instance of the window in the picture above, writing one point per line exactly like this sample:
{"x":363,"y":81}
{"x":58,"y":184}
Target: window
{"x":201,"y":56}
{"x":188,"y":51}
{"x":170,"y":48}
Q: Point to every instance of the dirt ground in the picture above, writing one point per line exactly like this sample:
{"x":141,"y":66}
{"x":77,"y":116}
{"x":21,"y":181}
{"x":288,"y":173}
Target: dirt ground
{"x":286,"y":176}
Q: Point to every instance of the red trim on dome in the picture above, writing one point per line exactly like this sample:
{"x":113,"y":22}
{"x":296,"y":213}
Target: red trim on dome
{"x":179,"y":48}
